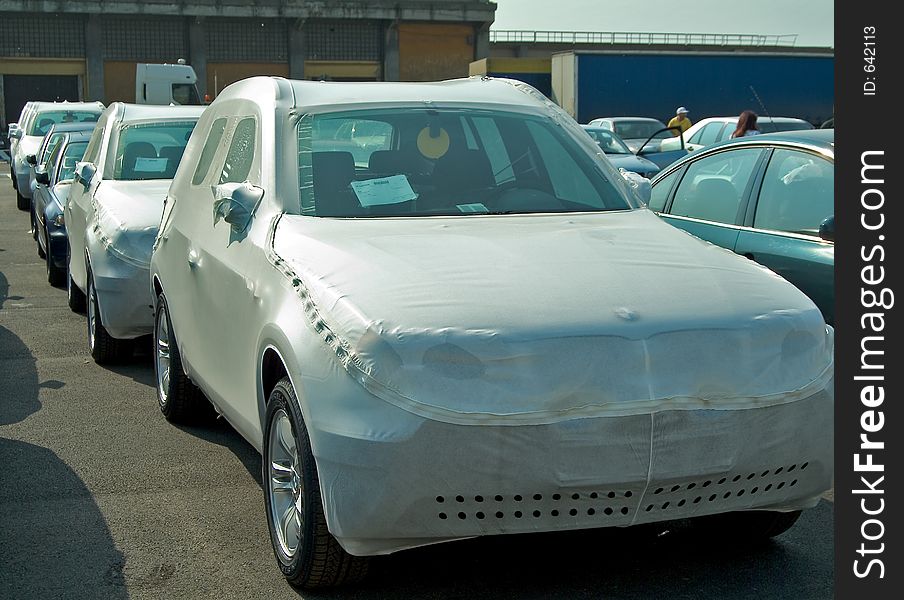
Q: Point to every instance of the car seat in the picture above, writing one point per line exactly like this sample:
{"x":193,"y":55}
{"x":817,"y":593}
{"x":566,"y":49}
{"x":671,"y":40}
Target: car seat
{"x":130,"y":157}
{"x":333,"y":174}
{"x":173,"y":156}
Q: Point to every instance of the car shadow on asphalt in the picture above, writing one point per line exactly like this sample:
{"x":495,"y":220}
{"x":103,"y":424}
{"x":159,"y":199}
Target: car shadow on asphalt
{"x":220,"y":432}
{"x":54,"y":541}
{"x":648,"y":561}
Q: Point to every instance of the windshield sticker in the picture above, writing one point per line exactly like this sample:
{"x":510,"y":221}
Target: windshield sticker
{"x":150,"y":165}
{"x":433,"y":142}
{"x":384,"y":190}
{"x":474,"y":207}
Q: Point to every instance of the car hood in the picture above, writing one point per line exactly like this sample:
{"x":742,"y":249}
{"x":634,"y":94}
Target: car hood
{"x":541,"y":318}
{"x":128,"y":216}
{"x":630,"y":162}
{"x":29,"y":144}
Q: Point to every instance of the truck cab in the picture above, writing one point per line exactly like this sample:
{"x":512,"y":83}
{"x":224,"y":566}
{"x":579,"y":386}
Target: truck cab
{"x":166,"y":84}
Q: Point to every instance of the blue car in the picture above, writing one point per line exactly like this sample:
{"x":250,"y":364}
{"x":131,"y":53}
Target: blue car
{"x":53,"y":180}
{"x":767,"y":197}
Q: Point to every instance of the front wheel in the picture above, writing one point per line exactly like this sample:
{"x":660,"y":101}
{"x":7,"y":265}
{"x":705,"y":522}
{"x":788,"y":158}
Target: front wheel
{"x":105,"y":349}
{"x":307,"y":553}
{"x":22,"y":203}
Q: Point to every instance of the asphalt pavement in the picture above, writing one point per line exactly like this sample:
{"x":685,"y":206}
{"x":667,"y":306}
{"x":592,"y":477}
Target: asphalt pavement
{"x":101,"y":498}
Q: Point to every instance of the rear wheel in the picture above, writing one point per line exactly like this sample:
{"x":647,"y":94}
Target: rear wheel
{"x":105,"y":349}
{"x":74,"y":296}
{"x":180,"y":400}
{"x":307,"y":553}
{"x":56,"y":276}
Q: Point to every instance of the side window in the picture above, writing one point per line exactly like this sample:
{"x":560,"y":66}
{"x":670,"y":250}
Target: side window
{"x":210,"y":149}
{"x":94,"y":145}
{"x":712,"y":186}
{"x":797,"y":194}
{"x":661,"y":191}
{"x":241,"y":152}
{"x":710,"y":133}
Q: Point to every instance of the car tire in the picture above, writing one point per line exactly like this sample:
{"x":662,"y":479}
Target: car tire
{"x":22,"y":203}
{"x":307,"y":553}
{"x":56,"y":276}
{"x":104,"y":348}
{"x":74,"y":296}
{"x":180,"y":400}
{"x":751,"y":526}
{"x":41,"y":252}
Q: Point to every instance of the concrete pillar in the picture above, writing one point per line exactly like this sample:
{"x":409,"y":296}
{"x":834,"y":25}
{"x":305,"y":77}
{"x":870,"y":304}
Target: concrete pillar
{"x":197,"y":51}
{"x":94,"y":58}
{"x":391,"y":52}
{"x":482,"y":40}
{"x":297,"y":50}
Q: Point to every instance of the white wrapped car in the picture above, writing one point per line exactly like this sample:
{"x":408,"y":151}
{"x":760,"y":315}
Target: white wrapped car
{"x":112,"y":215}
{"x":438,"y":312}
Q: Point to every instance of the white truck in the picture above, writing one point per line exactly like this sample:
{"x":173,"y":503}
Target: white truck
{"x":166,"y":84}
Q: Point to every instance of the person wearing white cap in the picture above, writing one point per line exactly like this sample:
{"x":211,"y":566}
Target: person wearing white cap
{"x":680,"y":119}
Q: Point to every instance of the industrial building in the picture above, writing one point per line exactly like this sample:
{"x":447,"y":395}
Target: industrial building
{"x":88,"y":49}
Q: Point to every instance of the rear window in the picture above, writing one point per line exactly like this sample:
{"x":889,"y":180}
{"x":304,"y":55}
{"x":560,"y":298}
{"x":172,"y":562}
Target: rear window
{"x":43,"y":121}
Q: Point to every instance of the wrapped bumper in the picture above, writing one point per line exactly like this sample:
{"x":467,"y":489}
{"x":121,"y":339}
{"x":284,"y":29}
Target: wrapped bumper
{"x":123,"y":296}
{"x":447,"y":481}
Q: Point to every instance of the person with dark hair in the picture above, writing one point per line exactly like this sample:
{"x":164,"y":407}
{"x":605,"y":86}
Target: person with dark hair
{"x":746,"y":125}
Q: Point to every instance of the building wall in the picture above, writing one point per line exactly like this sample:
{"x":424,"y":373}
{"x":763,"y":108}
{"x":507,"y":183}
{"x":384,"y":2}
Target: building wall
{"x":430,"y":51}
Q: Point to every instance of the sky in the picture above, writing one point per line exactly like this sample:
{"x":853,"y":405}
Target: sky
{"x":812,"y":20}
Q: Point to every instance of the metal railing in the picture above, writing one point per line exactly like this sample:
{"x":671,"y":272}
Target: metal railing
{"x":640,"y":38}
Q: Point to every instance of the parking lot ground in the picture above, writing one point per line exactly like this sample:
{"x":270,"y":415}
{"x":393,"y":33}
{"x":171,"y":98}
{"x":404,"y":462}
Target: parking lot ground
{"x":101,"y":498}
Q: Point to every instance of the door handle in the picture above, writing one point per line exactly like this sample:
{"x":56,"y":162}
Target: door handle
{"x":193,"y":259}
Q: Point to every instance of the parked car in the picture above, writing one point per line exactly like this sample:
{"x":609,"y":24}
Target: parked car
{"x":112,"y":215}
{"x":619,"y":154}
{"x":634,"y":131}
{"x":716,"y":129}
{"x":36,"y":161}
{"x":53,"y":181}
{"x":40,"y":117}
{"x":767,"y":197}
{"x":473,"y":332}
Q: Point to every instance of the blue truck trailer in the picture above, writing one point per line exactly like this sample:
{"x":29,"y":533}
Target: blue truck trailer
{"x":595,"y":84}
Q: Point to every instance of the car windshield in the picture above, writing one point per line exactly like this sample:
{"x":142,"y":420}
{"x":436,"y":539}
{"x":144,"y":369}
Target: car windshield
{"x":446,"y":161}
{"x":71,"y":155}
{"x":608,"y":142}
{"x":150,"y":150}
{"x":43,"y":121}
{"x":631,"y":130}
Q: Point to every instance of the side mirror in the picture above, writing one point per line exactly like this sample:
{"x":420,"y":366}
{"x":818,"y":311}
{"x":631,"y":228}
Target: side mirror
{"x":235,"y":203}
{"x":827,"y":229}
{"x":639,"y":184}
{"x":42,"y":177}
{"x":31,"y":159}
{"x":84,"y":173}
{"x":14,"y":132}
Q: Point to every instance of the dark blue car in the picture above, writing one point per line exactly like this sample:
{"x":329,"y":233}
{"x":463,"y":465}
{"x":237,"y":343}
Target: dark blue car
{"x":53,"y":180}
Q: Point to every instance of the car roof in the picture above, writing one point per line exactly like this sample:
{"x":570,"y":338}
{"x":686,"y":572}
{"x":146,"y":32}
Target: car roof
{"x":77,"y":136}
{"x":141,"y":112}
{"x":472,"y":91}
{"x":39,"y":107}
{"x":77,"y":126}
{"x":821,"y":141}
{"x":651,"y":119}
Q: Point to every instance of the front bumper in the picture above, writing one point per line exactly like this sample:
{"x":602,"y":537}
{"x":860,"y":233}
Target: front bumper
{"x":123,"y":296}
{"x":445,"y":482}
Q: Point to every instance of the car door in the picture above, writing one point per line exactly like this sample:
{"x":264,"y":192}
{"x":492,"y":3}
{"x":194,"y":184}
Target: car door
{"x":796,"y":196}
{"x":711,"y":199}
{"x":225,"y":264}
